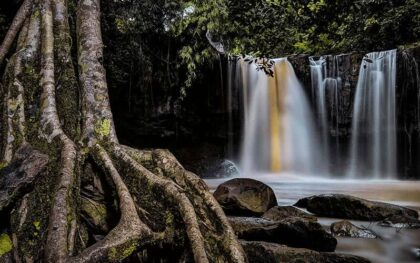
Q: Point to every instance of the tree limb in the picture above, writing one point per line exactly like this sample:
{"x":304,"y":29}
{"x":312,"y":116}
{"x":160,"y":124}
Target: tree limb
{"x":15,"y":28}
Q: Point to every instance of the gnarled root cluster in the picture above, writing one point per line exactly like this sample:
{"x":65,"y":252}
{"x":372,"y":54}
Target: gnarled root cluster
{"x":63,"y":111}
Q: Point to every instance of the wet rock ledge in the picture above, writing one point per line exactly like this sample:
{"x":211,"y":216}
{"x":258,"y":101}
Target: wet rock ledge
{"x":263,"y":252}
{"x":350,"y":207}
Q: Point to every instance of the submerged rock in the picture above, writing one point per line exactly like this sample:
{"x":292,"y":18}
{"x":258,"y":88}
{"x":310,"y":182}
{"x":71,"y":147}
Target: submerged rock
{"x":347,"y":229}
{"x":400,"y":221}
{"x":278,"y":213}
{"x":246,"y":197}
{"x":350,"y":207}
{"x":293,"y":232}
{"x":222,"y":169}
{"x":263,"y":252}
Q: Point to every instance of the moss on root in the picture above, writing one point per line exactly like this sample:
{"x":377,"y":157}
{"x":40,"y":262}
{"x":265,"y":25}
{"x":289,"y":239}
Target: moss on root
{"x":31,"y":229}
{"x":6,"y":244}
{"x":103,"y":128}
{"x":117,"y":254}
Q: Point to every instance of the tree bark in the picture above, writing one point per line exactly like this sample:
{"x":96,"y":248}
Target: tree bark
{"x":64,"y":112}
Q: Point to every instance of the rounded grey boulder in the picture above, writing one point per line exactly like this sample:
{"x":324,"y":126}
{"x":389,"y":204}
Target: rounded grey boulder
{"x":246,"y":197}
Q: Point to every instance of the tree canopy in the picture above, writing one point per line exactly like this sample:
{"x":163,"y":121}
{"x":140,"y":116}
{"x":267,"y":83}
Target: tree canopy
{"x":163,"y":45}
{"x":174,"y":32}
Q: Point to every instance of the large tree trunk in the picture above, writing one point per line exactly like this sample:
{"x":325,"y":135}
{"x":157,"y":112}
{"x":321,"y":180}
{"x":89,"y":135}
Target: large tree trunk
{"x":61,"y":151}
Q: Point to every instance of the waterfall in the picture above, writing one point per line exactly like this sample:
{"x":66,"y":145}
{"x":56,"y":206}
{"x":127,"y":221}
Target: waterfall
{"x":278,"y":133}
{"x":319,"y":95}
{"x":230,"y":132}
{"x":329,"y":77}
{"x":373,"y":140}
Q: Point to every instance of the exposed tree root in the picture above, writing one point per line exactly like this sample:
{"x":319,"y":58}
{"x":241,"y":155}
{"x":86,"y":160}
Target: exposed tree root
{"x":57,"y":246}
{"x":173,"y":191}
{"x":184,"y":197}
{"x":171,"y":168}
{"x":14,"y":102}
{"x":130,"y":231}
{"x":14,"y":28}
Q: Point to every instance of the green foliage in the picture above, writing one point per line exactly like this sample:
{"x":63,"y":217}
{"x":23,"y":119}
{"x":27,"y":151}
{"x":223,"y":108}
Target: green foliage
{"x":163,"y":43}
{"x":281,"y":27}
{"x":193,"y":21}
{"x":161,"y":46}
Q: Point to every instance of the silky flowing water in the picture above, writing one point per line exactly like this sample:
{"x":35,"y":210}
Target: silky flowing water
{"x":328,"y":79}
{"x":396,"y":245}
{"x":373,"y":144}
{"x":374,"y":139}
{"x":320,"y":87}
{"x":279,"y":133}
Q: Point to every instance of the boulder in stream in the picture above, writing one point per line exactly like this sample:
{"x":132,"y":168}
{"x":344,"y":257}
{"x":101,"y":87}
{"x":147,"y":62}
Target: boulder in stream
{"x":247,"y":197}
{"x":350,"y":207}
{"x":347,"y":229}
{"x":293,"y":232}
{"x":263,"y":252}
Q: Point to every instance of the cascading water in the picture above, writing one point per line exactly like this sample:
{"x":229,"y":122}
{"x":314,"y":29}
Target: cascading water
{"x":373,"y":141}
{"x":319,"y":94}
{"x":278,"y":129}
{"x":279,"y":133}
{"x":230,"y":132}
{"x":329,"y":77}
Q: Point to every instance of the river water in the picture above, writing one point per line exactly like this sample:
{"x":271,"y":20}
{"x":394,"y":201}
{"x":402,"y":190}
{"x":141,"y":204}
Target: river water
{"x":394,"y":246}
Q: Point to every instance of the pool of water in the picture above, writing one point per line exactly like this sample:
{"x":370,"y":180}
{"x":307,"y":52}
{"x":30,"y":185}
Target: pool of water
{"x":394,"y":246}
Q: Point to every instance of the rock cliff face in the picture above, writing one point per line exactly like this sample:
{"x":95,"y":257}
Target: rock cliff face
{"x":408,"y":107}
{"x":198,"y":131}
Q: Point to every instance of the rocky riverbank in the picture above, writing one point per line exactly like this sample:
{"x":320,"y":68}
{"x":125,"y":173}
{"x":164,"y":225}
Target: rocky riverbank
{"x":272,"y":233}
